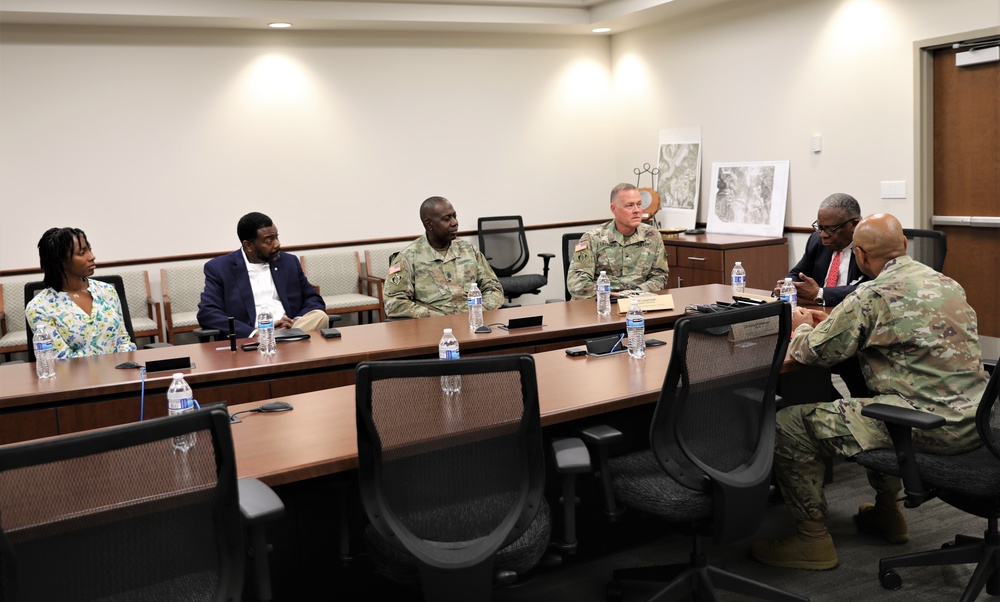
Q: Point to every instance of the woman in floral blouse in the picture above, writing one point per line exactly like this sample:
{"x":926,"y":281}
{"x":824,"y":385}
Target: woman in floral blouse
{"x":83,"y":315}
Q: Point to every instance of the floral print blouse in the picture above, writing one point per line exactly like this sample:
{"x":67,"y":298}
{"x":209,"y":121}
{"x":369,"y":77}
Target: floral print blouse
{"x":74,"y":333}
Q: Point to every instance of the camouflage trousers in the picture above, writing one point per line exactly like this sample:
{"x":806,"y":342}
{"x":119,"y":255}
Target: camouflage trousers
{"x":808,"y":433}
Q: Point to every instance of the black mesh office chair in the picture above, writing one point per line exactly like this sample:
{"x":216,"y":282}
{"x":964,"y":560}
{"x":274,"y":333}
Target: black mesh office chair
{"x":929,"y":247}
{"x":502,"y":241}
{"x":33,"y":288}
{"x":118,"y":514}
{"x":712,"y":442}
{"x":452,"y":483}
{"x":969,"y":482}
{"x":569,"y":241}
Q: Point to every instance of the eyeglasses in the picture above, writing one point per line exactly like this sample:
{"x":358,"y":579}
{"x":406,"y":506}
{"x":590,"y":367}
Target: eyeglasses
{"x":829,"y":230}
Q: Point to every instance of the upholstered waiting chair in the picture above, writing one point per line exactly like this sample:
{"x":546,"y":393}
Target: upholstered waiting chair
{"x":338,"y":278}
{"x":146,"y":322}
{"x":182,"y":288}
{"x":118,"y":514}
{"x":503,"y":242}
{"x":711,"y":446}
{"x":929,"y":247}
{"x":450,"y":480}
{"x":970,"y":482}
{"x":377,"y":270}
{"x":13,"y":337}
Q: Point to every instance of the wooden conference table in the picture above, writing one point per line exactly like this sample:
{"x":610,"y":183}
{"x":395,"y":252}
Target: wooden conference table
{"x":319,"y":437}
{"x":90,"y":393}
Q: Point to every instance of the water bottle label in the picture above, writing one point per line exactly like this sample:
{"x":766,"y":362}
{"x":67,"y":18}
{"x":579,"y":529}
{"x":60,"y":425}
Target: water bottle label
{"x":790,"y":298}
{"x":448,"y":354}
{"x":604,"y":288}
{"x":180,"y":404}
{"x":265,"y":325}
{"x":739,"y":279}
{"x":476,"y":301}
{"x":633,"y":323}
{"x":43,"y":346}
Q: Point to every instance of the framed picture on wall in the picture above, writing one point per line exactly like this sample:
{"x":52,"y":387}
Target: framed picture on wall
{"x":748,"y":198}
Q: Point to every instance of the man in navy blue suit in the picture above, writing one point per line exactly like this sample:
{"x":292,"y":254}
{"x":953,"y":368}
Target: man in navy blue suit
{"x":827,"y":271}
{"x":256,"y":276}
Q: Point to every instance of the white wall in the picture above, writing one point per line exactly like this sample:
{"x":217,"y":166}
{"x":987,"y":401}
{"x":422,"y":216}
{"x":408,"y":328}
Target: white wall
{"x":156,"y":142}
{"x":762,"y":77}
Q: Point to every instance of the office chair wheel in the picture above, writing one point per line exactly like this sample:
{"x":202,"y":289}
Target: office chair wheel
{"x":615,"y":592}
{"x":890,"y":579}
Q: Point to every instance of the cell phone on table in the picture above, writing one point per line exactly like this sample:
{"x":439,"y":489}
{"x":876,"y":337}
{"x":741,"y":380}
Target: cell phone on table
{"x":576,"y":352}
{"x":249,"y":346}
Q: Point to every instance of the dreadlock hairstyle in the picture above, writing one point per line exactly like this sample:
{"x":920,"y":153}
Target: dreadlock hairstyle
{"x":54,"y":248}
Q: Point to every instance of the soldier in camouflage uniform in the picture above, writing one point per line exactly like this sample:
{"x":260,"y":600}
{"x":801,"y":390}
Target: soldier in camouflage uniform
{"x":629,"y":251}
{"x":916,"y":338}
{"x":431,"y":276}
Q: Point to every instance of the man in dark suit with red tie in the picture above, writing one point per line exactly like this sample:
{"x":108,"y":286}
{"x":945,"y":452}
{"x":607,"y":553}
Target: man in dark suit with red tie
{"x":828,"y":272}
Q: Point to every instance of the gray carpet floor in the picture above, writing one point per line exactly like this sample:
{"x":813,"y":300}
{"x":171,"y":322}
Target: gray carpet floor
{"x":585,"y":578}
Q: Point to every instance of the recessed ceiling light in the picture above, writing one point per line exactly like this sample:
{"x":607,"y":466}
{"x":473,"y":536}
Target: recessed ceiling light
{"x":279,"y":25}
{"x":601,"y":29}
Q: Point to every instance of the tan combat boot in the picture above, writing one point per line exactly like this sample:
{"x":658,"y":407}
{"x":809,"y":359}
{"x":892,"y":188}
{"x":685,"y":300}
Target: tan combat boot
{"x":883,"y":518}
{"x":811,"y":549}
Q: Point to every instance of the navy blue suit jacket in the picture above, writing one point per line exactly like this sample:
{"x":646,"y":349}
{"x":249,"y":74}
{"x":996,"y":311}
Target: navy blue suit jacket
{"x":816,"y":262}
{"x":228,"y":293}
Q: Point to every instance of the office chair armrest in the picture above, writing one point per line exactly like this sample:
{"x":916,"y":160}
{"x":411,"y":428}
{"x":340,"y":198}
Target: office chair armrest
{"x":259,"y":505}
{"x":598,"y":440}
{"x":206,"y":334}
{"x":546,"y":257}
{"x":571,"y":458}
{"x":900,"y":423}
{"x":258,"y":502}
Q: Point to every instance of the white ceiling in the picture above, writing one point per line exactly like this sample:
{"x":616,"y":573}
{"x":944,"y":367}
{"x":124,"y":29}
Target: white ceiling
{"x":519,"y":16}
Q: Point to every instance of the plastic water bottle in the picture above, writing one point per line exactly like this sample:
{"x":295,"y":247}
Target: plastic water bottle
{"x":181,"y":401}
{"x":788,"y":293}
{"x":265,"y":333}
{"x":448,"y":350}
{"x":603,"y":294}
{"x":739,"y":279}
{"x":475,"y":307}
{"x":635,"y":321}
{"x":45,"y":354}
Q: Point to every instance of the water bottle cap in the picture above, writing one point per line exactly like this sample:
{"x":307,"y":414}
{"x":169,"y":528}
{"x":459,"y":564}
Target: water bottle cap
{"x":472,"y":286}
{"x":447,"y":331}
{"x":179,"y":375}
{"x":738,"y":263}
{"x":603,"y":273}
{"x":788,"y":279}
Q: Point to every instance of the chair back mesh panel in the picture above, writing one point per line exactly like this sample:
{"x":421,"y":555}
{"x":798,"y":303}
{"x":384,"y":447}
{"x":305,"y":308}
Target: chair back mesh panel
{"x":569,"y":241}
{"x":450,"y":478}
{"x":929,"y":247}
{"x":988,"y":415}
{"x":333,"y":273}
{"x":502,"y":239}
{"x":120,"y":514}
{"x":713,"y":427}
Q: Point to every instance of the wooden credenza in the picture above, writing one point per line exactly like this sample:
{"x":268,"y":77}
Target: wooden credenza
{"x":709,"y":258}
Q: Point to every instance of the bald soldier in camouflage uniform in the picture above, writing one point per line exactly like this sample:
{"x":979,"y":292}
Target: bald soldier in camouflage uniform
{"x":431,"y":276}
{"x":629,"y":251}
{"x":916,"y":338}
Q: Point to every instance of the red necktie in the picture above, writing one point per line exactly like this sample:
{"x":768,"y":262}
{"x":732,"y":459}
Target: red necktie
{"x":831,"y":279}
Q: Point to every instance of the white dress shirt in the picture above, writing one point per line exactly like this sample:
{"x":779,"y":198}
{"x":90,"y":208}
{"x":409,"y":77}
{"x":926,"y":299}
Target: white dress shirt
{"x":264,"y":292}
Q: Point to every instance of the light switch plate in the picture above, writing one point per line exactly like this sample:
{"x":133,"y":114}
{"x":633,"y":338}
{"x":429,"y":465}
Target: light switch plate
{"x":894,"y":189}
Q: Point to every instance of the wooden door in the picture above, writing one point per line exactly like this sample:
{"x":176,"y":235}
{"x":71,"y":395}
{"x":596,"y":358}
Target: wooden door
{"x":967,"y":177}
